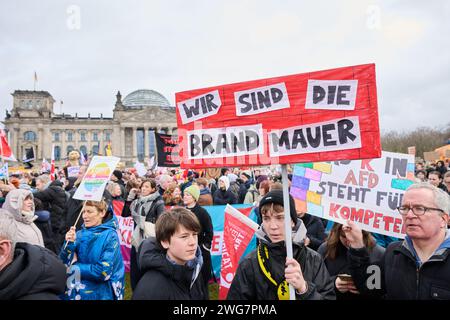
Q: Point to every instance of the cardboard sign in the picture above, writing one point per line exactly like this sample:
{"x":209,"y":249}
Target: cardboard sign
{"x":317,"y":116}
{"x":412,"y":150}
{"x":97,"y":175}
{"x":73,"y":171}
{"x":365,"y":191}
{"x":431,"y":156}
{"x":237,"y":234}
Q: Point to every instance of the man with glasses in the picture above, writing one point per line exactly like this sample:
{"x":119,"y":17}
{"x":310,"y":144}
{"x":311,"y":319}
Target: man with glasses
{"x":27,"y":272}
{"x":417,"y":267}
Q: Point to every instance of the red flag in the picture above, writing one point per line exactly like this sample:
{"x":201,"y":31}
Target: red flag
{"x":5,"y":149}
{"x":52,"y":167}
{"x":237,"y":234}
{"x":118,"y":207}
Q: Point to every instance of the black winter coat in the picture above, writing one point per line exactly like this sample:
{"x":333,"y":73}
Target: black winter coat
{"x":316,"y":231}
{"x":73,"y":208}
{"x":401,"y":279}
{"x":163,"y":280}
{"x":222,"y":197}
{"x":205,"y":238}
{"x":54,"y":200}
{"x":35,"y":274}
{"x":341,"y":264}
{"x":250,"y":283}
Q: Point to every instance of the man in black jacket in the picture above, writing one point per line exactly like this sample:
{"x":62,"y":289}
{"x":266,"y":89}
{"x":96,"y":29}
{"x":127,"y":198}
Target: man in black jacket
{"x":54,"y":199}
{"x":265,"y":274}
{"x":205,"y":237}
{"x":417,"y":268}
{"x":27,"y":272}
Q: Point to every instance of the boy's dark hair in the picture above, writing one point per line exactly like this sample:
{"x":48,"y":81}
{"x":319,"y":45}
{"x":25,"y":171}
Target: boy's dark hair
{"x":168,"y":223}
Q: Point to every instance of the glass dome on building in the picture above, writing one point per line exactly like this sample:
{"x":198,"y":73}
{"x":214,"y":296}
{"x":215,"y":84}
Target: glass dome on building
{"x":144,"y":98}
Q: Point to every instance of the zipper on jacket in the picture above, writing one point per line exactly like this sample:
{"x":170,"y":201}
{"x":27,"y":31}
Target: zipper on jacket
{"x":417,"y":282}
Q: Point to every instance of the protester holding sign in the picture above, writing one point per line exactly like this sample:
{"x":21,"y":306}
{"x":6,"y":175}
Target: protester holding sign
{"x":334,"y":252}
{"x":172,"y":262}
{"x":265,"y":273}
{"x":416,"y":268}
{"x":93,"y":257}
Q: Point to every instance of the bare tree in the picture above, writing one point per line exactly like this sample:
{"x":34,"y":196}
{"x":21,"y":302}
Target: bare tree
{"x":423,"y":138}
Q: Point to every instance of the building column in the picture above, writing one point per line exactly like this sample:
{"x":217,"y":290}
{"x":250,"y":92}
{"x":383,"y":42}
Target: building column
{"x":16,"y":133}
{"x":63,"y":144}
{"x":134,"y":139}
{"x":146,"y":142}
{"x":122,"y":142}
{"x":40,"y":145}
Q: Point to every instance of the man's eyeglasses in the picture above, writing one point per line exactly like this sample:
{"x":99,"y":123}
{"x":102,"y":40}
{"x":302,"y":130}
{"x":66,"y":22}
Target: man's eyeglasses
{"x":417,"y":210}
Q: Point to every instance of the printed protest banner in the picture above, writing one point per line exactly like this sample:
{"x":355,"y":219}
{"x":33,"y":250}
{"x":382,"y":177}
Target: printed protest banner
{"x":73,"y":171}
{"x":217,"y":214}
{"x":167,"y":150}
{"x":365,"y":191}
{"x":125,"y":230}
{"x":237,"y":234}
{"x":316,"y":116}
{"x":97,"y":175}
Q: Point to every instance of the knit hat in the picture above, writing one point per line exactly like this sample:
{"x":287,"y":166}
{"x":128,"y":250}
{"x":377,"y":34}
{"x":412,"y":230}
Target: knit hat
{"x":194,"y":191}
{"x":247,"y":174}
{"x":231,"y":177}
{"x":117,"y":174}
{"x":276,"y":196}
{"x":226,"y":181}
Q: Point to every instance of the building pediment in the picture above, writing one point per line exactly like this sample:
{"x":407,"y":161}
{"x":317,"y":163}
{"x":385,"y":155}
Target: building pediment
{"x":149,"y":115}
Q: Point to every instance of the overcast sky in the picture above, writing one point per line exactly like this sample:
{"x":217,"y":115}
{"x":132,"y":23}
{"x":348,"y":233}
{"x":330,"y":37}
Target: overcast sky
{"x":85,"y":51}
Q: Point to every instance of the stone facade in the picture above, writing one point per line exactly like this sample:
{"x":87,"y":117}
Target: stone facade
{"x":32,"y":123}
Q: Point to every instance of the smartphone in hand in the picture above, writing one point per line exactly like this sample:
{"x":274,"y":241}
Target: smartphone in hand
{"x":345,"y":277}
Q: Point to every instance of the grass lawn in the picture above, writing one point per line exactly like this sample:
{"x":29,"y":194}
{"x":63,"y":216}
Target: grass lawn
{"x":213,"y":289}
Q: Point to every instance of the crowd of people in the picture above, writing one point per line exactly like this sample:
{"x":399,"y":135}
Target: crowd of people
{"x":60,"y":255}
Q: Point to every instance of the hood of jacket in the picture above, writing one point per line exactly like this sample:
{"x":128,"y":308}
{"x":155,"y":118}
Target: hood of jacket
{"x":14,"y":202}
{"x":298,"y":234}
{"x":408,"y":244}
{"x":226,"y":181}
{"x":34,"y":270}
{"x":111,"y":223}
{"x":152,"y":257}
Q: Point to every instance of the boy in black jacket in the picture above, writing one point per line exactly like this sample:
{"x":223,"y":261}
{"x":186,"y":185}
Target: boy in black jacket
{"x":205,"y":237}
{"x":171,"y":263}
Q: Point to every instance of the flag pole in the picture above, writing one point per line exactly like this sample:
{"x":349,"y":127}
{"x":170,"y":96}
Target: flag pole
{"x":287,"y":221}
{"x":75,"y":224}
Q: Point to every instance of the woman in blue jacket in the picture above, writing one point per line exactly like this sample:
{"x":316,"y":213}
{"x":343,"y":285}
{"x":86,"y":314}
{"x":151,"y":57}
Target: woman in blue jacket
{"x":95,"y":265}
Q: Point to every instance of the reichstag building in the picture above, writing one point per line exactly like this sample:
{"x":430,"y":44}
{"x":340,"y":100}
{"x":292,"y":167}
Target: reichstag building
{"x":32,"y":123}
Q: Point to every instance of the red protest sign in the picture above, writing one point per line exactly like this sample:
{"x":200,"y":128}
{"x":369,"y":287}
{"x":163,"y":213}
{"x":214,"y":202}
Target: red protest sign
{"x":317,"y":116}
{"x":237,"y":234}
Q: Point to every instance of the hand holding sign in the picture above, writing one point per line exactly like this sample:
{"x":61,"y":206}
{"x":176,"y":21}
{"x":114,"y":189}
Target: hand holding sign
{"x":353,"y":233}
{"x":294,"y":275}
